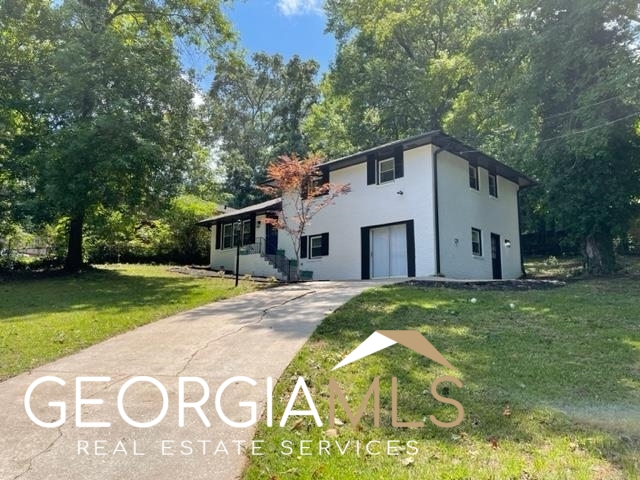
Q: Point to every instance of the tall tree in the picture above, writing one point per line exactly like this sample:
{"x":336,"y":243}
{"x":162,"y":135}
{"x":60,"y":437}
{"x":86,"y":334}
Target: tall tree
{"x":24,"y":28}
{"x":257,"y":108}
{"x":568,"y":115}
{"x":399,"y":68}
{"x":117,"y":107}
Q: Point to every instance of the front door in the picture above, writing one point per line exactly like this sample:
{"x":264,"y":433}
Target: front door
{"x":389,"y":251}
{"x":496,"y":259}
{"x":271,"y":240}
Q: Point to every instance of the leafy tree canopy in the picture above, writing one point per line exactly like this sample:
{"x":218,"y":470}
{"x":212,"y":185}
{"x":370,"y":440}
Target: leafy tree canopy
{"x":116,"y":123}
{"x":257,"y":108}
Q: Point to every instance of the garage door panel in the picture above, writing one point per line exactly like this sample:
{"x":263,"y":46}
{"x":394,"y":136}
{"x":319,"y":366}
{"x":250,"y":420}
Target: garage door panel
{"x":389,"y":251}
{"x":398,"y":251}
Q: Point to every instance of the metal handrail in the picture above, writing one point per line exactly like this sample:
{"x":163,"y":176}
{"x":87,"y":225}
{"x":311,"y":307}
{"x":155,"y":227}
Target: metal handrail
{"x":279,"y":261}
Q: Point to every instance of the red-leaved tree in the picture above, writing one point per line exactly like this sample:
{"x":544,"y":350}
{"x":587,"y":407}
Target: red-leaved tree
{"x":299,"y":181}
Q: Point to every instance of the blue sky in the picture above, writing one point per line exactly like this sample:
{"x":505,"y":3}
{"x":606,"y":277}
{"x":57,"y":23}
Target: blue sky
{"x":284,"y":26}
{"x":287,"y":27}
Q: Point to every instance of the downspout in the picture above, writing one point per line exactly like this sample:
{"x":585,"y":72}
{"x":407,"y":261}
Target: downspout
{"x":436,"y":210}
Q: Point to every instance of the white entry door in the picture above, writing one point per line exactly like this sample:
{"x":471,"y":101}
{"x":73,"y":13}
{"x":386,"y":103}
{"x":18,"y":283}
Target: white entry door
{"x":389,"y":251}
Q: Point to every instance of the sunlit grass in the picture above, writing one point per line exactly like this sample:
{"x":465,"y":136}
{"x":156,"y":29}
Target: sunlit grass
{"x":44,"y":319}
{"x":551,"y":386}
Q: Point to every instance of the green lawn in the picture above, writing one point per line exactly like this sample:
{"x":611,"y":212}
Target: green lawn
{"x":44,"y":319}
{"x":551,"y":386}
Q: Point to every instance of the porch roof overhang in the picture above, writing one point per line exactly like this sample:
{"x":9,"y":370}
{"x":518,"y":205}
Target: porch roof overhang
{"x":443,"y":141}
{"x":242,"y":213}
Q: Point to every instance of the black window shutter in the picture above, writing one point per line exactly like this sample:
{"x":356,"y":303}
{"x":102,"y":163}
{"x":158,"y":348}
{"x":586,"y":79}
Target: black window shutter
{"x":325,"y":176}
{"x":303,"y":246}
{"x":399,"y":162}
{"x":325,"y":244}
{"x":371,"y":170}
{"x":218,"y":235}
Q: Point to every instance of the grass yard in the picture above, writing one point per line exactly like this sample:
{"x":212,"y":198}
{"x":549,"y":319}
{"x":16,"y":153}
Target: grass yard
{"x":44,"y":319}
{"x":551,"y":386}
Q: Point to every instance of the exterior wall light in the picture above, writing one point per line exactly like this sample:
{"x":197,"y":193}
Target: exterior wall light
{"x":507,"y":243}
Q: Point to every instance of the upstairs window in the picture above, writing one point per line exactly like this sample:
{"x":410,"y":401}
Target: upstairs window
{"x":474,"y":181}
{"x":476,"y":242}
{"x":493,"y":185}
{"x":386,"y":171}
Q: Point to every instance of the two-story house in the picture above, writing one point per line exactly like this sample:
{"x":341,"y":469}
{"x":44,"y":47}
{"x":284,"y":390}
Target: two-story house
{"x":422,"y":206}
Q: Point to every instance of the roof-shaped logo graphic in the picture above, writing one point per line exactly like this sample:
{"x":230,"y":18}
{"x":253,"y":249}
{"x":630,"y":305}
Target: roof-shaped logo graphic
{"x":381,"y":339}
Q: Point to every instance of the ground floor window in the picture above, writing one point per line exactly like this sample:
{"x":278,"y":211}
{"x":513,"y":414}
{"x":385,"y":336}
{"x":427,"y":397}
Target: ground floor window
{"x":476,"y":242}
{"x":227,"y":235}
{"x":233,"y":233}
{"x":246,"y":232}
{"x":315,"y":246}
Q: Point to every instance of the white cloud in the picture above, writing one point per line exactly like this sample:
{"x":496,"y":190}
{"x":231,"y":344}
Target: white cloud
{"x":299,"y":7}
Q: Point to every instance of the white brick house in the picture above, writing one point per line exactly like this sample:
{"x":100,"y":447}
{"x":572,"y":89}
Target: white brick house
{"x":423,"y":206}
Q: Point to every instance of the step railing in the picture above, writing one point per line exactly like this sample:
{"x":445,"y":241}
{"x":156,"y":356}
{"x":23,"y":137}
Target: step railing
{"x":279,"y":261}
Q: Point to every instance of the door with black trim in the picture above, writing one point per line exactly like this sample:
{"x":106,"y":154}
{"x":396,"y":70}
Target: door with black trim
{"x":271,"y":239}
{"x":389,"y":251}
{"x":496,"y":258}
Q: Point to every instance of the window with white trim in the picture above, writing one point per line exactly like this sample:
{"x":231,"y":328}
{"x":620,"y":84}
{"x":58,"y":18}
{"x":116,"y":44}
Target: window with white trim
{"x":227,"y":235}
{"x":386,"y":170}
{"x":476,"y":242}
{"x":246,"y":232}
{"x":474,"y":181}
{"x":315,"y":246}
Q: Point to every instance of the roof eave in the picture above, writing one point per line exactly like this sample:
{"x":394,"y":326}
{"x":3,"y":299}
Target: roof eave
{"x":243,"y":213}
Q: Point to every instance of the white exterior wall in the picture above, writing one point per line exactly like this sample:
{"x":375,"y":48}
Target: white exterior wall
{"x":221,"y":259}
{"x":462,"y":208}
{"x":249,"y":264}
{"x":370,"y":205}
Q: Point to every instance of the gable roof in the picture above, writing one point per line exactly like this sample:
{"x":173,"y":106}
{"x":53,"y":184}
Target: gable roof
{"x":274,"y":204}
{"x":439,"y":139}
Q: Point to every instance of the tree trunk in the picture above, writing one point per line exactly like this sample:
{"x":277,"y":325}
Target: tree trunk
{"x":598,"y":254}
{"x":73,"y":262}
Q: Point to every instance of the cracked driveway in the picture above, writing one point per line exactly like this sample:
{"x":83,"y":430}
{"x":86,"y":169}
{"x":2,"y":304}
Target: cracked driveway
{"x":254,"y":335}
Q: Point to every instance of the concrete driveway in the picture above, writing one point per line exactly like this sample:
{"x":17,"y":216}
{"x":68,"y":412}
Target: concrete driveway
{"x":255,"y":335}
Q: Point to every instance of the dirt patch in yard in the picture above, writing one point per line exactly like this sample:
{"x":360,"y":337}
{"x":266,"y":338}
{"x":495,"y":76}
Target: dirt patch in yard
{"x":197,"y":271}
{"x":500,"y":285}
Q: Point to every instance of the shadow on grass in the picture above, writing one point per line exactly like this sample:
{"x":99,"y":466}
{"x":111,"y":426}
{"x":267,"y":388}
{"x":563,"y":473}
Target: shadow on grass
{"x":528,"y":361}
{"x":95,"y":289}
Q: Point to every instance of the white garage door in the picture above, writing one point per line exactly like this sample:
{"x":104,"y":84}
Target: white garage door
{"x":389,"y":251}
